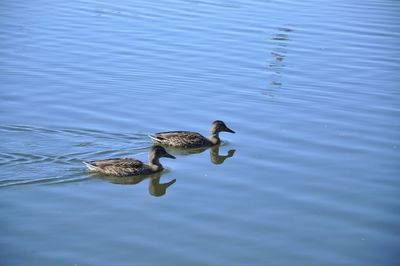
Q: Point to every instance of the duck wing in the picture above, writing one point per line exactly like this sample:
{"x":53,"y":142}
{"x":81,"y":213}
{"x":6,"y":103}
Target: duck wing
{"x":117,"y":162}
{"x":180,"y":139}
{"x":117,"y":166}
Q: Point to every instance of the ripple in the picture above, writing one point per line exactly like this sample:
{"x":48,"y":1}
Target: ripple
{"x":43,"y":152}
{"x":41,"y":181}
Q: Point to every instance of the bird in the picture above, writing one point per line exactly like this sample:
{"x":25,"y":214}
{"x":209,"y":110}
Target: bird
{"x":188,"y":139}
{"x":130,"y":166}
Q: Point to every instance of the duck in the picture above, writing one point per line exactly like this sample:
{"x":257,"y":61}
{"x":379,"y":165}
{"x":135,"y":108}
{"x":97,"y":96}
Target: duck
{"x":130,"y":166}
{"x":188,"y":139}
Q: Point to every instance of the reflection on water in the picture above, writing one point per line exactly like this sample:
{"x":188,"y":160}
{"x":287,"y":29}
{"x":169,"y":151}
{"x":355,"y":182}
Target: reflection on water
{"x":278,"y":55}
{"x":215,"y":157}
{"x":156,"y":188}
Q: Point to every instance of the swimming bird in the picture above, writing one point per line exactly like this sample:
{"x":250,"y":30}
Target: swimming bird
{"x":130,"y":166}
{"x":188,"y":139}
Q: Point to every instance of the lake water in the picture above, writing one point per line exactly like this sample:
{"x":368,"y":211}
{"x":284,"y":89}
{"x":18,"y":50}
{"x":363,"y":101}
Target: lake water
{"x":310,"y":87}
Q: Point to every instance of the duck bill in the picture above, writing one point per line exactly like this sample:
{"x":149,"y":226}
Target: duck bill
{"x":229,"y":130}
{"x":169,"y":156}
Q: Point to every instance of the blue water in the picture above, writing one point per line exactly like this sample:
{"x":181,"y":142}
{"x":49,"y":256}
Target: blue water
{"x":311,"y":89}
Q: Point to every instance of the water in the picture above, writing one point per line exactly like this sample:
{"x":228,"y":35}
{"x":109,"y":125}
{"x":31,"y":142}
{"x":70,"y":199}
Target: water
{"x":310,"y":87}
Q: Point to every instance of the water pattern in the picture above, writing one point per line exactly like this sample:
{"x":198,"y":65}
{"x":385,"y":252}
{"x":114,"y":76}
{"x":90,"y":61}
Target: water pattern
{"x":309,"y":178}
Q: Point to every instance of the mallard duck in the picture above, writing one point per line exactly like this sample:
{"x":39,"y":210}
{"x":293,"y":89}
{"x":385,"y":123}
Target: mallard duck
{"x":187,"y":139}
{"x":129,"y":166}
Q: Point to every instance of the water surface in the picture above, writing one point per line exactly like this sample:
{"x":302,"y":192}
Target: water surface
{"x":310,"y":87}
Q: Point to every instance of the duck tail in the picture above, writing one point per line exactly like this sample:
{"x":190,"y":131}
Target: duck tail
{"x":154,"y":138}
{"x":90,"y":166}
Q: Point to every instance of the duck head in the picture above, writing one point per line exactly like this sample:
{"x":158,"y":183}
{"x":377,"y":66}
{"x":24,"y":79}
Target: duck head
{"x":158,"y":152}
{"x":219,"y":126}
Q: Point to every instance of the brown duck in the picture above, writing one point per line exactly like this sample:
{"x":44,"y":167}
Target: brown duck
{"x":188,"y":139}
{"x":130,"y":166}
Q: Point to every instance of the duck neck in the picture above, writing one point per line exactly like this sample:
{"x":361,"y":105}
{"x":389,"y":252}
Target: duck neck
{"x":214,"y":137}
{"x":154,"y":162}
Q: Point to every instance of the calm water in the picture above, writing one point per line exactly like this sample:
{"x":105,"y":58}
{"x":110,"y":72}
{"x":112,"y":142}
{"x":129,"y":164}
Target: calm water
{"x":310,"y":87}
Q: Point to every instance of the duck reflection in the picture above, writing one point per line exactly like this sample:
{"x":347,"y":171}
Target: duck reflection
{"x":156,"y":188}
{"x":215,"y":157}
